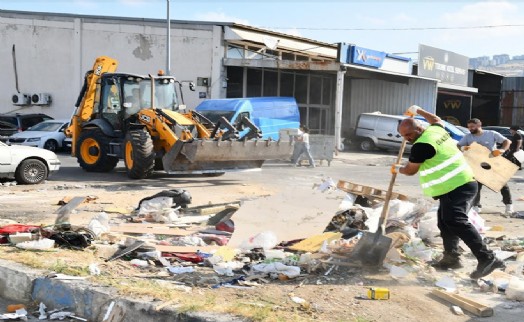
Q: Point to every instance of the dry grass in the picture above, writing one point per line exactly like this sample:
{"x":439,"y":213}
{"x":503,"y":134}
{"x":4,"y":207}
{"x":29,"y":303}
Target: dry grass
{"x":119,"y":275}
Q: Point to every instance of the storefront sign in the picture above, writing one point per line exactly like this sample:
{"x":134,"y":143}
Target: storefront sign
{"x":351,"y":54}
{"x":367,"y":57}
{"x":446,"y":66}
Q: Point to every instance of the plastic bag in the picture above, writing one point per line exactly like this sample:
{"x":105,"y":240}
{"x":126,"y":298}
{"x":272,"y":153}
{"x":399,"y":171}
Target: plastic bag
{"x":266,"y":240}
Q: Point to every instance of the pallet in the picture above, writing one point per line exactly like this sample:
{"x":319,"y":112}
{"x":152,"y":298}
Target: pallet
{"x":366,"y":191}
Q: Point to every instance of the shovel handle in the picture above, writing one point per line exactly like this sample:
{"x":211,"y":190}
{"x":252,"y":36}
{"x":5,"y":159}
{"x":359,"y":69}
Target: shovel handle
{"x":385,"y":209}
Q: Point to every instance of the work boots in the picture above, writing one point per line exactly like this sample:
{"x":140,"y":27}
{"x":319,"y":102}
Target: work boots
{"x":448,"y":261}
{"x":486,"y":267}
{"x":509,"y":210}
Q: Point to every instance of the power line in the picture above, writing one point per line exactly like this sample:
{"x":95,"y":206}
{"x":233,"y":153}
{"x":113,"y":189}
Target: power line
{"x":399,"y":29}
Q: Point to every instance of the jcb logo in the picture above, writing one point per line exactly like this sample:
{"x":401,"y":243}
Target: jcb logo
{"x":145,"y":118}
{"x":452,"y":104}
{"x":429,"y":63}
{"x":98,"y":70}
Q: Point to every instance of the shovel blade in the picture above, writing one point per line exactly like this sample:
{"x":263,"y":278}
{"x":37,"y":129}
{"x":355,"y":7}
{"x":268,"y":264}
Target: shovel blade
{"x":371,"y":249}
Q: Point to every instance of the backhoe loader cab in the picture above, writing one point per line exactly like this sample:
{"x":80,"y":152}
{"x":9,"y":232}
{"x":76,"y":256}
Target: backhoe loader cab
{"x":139,"y":119}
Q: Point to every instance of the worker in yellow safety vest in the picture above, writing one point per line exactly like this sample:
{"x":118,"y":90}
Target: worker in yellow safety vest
{"x":446,"y":176}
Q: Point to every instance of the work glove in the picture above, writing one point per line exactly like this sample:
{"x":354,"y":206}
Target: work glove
{"x":464,"y":148}
{"x":412,"y":110}
{"x":497,"y":152}
{"x":395,"y":167}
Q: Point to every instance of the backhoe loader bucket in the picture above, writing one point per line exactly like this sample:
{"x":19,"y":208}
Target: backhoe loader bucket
{"x":206,"y":156}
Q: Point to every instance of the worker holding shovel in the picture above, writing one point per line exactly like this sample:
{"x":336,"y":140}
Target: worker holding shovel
{"x":446,"y":176}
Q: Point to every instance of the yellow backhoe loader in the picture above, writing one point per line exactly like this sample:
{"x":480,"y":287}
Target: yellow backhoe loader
{"x":140,"y":119}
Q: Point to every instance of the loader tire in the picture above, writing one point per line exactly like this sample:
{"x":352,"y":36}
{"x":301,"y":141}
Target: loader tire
{"x":93,"y":150}
{"x":139,"y":155}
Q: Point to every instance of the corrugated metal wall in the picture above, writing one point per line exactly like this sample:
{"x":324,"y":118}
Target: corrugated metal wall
{"x":367,"y":95}
{"x":512,"y":101}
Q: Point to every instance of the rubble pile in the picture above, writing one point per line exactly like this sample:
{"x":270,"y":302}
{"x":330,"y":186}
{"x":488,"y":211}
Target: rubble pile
{"x":196,"y":246}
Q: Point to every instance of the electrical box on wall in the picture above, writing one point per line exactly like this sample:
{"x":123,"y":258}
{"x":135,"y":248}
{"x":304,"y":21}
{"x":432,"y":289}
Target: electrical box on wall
{"x":202,"y":81}
{"x":21,"y":99}
{"x":41,"y":99}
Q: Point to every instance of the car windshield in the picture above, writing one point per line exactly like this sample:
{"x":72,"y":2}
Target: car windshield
{"x":9,"y":119}
{"x":46,"y":126}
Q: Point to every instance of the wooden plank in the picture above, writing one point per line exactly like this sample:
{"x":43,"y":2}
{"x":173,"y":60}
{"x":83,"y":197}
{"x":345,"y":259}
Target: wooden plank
{"x":464,"y":303}
{"x":185,"y":249}
{"x":493,"y":172}
{"x":366,"y":191}
{"x":152,"y":230}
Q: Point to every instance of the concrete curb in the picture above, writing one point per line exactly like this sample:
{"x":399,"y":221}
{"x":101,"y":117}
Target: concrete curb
{"x":22,"y":284}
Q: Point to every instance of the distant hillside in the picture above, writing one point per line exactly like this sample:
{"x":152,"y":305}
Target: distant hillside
{"x":512,"y":68}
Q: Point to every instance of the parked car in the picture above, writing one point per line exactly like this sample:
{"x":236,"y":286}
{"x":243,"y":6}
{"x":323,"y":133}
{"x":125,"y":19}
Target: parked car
{"x":48,"y":135}
{"x":377,"y":130}
{"x":6,"y":129}
{"x":28,"y":165}
{"x":504,"y":130}
{"x":465,"y":130}
{"x":23,"y":121}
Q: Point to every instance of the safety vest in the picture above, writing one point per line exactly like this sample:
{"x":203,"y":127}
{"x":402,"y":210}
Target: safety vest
{"x":447,"y":169}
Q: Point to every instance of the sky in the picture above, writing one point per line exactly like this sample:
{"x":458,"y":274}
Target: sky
{"x":470,"y":28}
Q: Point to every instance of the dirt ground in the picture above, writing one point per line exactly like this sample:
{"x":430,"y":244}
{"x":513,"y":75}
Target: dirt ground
{"x":337,"y":296}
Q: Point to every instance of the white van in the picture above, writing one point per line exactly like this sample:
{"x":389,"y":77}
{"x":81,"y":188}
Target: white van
{"x":377,"y":130}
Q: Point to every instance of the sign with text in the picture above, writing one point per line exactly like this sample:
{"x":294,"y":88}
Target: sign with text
{"x":367,"y":57}
{"x":443,"y":65}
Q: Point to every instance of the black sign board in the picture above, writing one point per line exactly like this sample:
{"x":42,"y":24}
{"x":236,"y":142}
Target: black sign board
{"x":444,"y":65}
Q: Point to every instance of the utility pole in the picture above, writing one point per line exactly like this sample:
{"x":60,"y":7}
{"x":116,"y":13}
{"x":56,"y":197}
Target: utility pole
{"x":168,"y":45}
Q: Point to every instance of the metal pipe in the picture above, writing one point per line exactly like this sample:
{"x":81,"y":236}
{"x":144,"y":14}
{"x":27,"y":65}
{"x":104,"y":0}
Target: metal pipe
{"x":338,"y":108}
{"x":168,"y":45}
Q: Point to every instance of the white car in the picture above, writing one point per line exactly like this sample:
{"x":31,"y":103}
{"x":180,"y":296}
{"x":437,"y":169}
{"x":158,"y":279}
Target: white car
{"x":26,"y":164}
{"x":47,"y":135}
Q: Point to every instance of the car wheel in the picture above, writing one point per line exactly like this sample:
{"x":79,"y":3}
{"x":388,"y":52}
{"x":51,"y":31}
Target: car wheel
{"x":51,"y":145}
{"x":367,"y":145}
{"x":31,"y":171}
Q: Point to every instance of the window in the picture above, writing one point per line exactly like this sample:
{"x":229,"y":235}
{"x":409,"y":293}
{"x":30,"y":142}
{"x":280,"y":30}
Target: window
{"x":301,"y":88}
{"x":254,"y":82}
{"x":270,"y":83}
{"x":287,"y":86}
{"x":235,"y":77}
{"x":315,"y":90}
{"x":235,"y":52}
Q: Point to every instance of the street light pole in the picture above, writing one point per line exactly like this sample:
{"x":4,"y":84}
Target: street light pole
{"x":168,"y":45}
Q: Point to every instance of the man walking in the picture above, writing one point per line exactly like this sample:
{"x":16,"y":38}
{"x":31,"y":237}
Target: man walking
{"x":488,"y":139}
{"x":446,"y":176}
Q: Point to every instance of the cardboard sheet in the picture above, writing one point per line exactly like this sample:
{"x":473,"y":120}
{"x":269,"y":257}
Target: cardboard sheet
{"x":296,"y":212}
{"x":493,"y":172}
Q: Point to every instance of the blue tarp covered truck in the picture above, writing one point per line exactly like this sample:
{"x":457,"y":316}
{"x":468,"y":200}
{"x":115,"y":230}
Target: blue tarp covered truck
{"x":269,"y":114}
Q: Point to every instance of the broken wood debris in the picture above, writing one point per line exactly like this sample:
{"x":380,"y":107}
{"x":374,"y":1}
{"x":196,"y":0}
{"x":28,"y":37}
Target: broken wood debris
{"x":464,"y":303}
{"x":367,"y":191}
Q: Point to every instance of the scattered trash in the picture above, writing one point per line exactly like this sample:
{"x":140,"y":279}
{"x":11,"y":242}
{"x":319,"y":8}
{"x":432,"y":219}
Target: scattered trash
{"x":275,"y":269}
{"x":94,"y":270}
{"x":42,"y":244}
{"x":447,"y":283}
{"x":515,"y":289}
{"x":265,"y":240}
{"x":378,"y":293}
{"x":457,"y":310}
{"x":11,"y":308}
{"x":139,"y":263}
{"x":180,"y":270}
